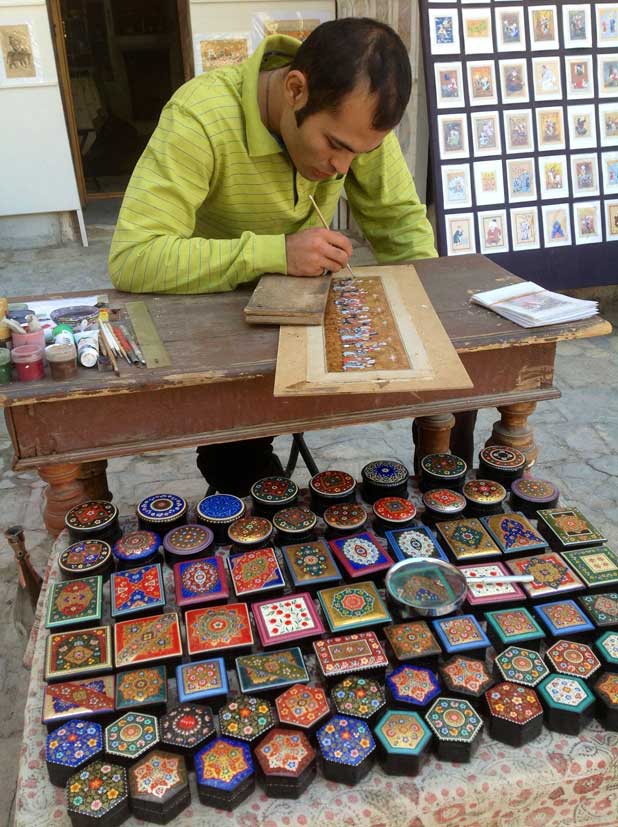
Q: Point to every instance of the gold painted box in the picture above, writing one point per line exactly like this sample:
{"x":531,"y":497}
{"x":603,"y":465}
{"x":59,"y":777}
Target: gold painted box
{"x":78,"y":653}
{"x":91,"y":698}
{"x":552,"y":576}
{"x":142,"y":689}
{"x":413,"y":641}
{"x":404,"y":741}
{"x":256,"y":573}
{"x":353,"y":606}
{"x":311,"y":564}
{"x":269,"y":672}
{"x":513,"y":533}
{"x":467,"y":540}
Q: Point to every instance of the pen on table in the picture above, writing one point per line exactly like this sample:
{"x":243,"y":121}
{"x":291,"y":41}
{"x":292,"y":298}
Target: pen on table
{"x":325,"y":225}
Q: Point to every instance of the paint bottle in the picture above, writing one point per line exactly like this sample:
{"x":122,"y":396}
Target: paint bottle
{"x":5,"y":366}
{"x":28,"y":359}
{"x":62,"y":334}
{"x":62,"y":361}
{"x":88,"y":348}
{"x":35,"y":339}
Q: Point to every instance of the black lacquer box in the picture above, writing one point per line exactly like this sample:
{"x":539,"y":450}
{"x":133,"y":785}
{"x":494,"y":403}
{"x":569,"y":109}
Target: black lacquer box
{"x":286,"y":763}
{"x":225,"y":773}
{"x":70,"y":747}
{"x":159,"y":787}
{"x":515,"y":713}
{"x":347,"y":749}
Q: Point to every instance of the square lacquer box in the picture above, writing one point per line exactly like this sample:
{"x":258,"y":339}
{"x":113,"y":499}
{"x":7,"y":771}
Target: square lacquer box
{"x":78,"y":653}
{"x":255,"y":573}
{"x":219,"y":630}
{"x":416,"y":541}
{"x":311,"y":564}
{"x":286,"y":620}
{"x":74,"y":603}
{"x":137,"y":591}
{"x":266,"y":672}
{"x":467,"y":540}
{"x":564,"y":618}
{"x":413,"y":641}
{"x":482,"y":596}
{"x":567,"y":528}
{"x":203,"y":681}
{"x":601,"y":608}
{"x":148,"y":640}
{"x":516,"y":626}
{"x":461,"y":633}
{"x":513,"y":533}
{"x":361,"y":556}
{"x":85,"y":698}
{"x":359,"y":652}
{"x":552,"y":576}
{"x":142,"y":689}
{"x":353,"y":606}
{"x":200,"y":582}
{"x":597,"y":567}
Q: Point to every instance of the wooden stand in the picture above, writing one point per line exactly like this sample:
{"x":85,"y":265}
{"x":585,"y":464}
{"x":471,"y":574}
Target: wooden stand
{"x":513,"y":430}
{"x":64,"y":490}
{"x":434,"y":436}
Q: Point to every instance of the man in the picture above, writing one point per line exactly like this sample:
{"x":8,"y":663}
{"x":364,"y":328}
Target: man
{"x":221,"y":193}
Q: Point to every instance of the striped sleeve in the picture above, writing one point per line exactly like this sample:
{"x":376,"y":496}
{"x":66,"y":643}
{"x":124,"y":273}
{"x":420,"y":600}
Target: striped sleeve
{"x":385,"y":203}
{"x":153,"y":249}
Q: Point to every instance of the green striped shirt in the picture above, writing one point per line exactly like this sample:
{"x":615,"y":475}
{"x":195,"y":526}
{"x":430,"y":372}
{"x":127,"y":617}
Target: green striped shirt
{"x":212,"y":197}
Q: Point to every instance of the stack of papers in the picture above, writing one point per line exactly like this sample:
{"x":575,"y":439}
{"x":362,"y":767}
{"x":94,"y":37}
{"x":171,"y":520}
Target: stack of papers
{"x":530,"y":305}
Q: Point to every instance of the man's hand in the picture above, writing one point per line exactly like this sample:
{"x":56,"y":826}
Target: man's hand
{"x":312,"y":251}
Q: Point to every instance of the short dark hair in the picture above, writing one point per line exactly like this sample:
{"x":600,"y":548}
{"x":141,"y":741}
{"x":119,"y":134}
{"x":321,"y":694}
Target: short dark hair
{"x":341,"y":53}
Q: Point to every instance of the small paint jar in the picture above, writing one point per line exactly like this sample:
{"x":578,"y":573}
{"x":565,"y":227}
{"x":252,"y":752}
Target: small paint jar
{"x":86,"y":559}
{"x":250,"y":532}
{"x":384,"y":478}
{"x":391,"y":513}
{"x":294,"y":524}
{"x":161,"y":512}
{"x":218,"y":512}
{"x":138,"y":548}
{"x":331,"y":487}
{"x":271,"y":494}
{"x":93,"y":520}
{"x":28,"y":361}
{"x":186,"y":542}
{"x":35,"y":339}
{"x":5,"y":366}
{"x":502,"y":464}
{"x":442,"y":504}
{"x":528,"y":495}
{"x":442,"y":471}
{"x":483,"y":497}
{"x":343,"y":519}
{"x":62,"y":360}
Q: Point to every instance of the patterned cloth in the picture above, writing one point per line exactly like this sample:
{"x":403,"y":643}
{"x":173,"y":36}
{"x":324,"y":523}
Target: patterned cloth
{"x":556,"y":781}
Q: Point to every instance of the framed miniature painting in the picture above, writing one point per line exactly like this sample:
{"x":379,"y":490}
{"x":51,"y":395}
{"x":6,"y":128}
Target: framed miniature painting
{"x":449,"y":85}
{"x":518,"y":131}
{"x":611,"y":220}
{"x":488,"y":183}
{"x":486,"y":138}
{"x":460,"y":234}
{"x":582,"y":126}
{"x":482,"y":89}
{"x":607,"y":24}
{"x":550,"y":128}
{"x":576,"y":26}
{"x":546,"y":74}
{"x":587,"y":216}
{"x":543,"y":25}
{"x":579,"y":76}
{"x":585,"y":175}
{"x":453,"y":136}
{"x":525,"y":228}
{"x":444,"y":31}
{"x":607,"y":75}
{"x":456,"y":189}
{"x":514,"y":81}
{"x":493,"y":231}
{"x":608,"y":123}
{"x":609,"y":172}
{"x":476,"y":24}
{"x":521,"y":179}
{"x":510,"y":29}
{"x":553,"y":176}
{"x":556,"y":225}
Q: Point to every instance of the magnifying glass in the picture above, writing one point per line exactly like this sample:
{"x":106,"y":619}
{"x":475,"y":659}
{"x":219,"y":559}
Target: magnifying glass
{"x":432,"y":588}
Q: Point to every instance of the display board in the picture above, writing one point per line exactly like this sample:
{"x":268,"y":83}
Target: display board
{"x":523,"y":111}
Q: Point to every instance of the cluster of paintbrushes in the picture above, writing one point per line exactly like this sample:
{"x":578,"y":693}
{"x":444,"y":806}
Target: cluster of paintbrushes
{"x":117,"y":343}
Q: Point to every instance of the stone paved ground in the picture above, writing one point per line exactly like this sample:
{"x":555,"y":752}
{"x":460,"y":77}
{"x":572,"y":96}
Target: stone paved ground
{"x":578,"y":436}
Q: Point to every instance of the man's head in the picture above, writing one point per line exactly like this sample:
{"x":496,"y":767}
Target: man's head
{"x":347,"y":87}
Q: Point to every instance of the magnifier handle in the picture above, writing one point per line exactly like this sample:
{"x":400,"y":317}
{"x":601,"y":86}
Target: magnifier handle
{"x":501,"y":578}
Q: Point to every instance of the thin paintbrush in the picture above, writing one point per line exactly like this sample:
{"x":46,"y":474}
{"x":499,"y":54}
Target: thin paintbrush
{"x":326,"y":227}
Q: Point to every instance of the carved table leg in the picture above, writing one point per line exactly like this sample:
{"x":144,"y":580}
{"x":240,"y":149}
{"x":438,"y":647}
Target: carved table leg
{"x":64,"y":490}
{"x":434,"y":436}
{"x":93,"y":478}
{"x":513,"y":430}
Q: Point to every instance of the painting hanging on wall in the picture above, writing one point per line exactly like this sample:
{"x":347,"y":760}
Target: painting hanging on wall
{"x":213,"y":51}
{"x":19,"y":58}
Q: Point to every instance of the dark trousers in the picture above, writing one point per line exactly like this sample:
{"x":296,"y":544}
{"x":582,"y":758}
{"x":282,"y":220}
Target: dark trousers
{"x":233,"y":467}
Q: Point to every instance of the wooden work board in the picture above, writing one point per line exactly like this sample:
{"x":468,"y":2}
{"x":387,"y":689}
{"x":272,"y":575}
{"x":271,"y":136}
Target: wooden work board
{"x":288,"y":300}
{"x":381,"y":334}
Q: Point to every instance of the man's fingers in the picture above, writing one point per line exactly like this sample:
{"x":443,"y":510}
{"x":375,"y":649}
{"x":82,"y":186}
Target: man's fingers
{"x":340,"y":241}
{"x":335,"y":254}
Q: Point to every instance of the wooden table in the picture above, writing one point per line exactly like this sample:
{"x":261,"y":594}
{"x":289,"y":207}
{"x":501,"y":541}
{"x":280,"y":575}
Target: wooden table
{"x":220,"y":386}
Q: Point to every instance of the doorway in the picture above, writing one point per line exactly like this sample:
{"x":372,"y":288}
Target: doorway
{"x":119,"y":63}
